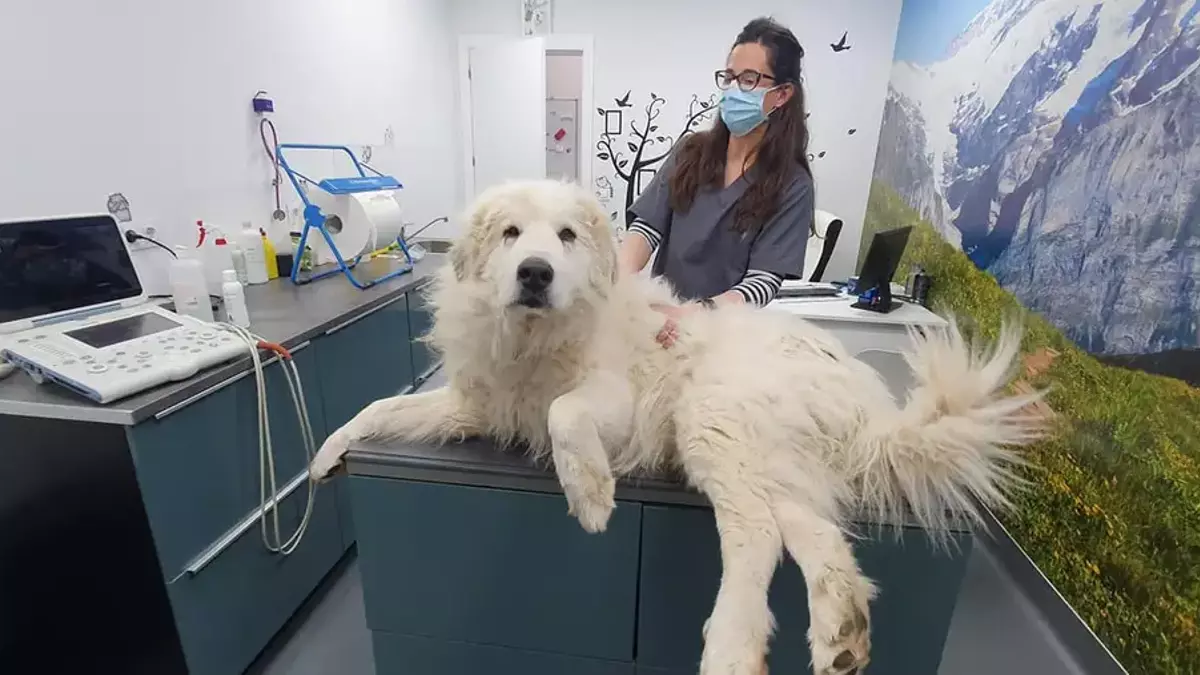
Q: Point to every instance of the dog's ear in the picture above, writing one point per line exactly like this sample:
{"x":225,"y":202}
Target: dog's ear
{"x":601,"y":233}
{"x":464,"y":254}
{"x":459,"y":259}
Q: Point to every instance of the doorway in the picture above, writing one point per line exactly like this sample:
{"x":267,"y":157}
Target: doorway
{"x":523,"y":105}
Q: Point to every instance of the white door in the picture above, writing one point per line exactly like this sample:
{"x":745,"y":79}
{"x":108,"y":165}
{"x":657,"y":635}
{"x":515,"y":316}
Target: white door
{"x":508,"y":111}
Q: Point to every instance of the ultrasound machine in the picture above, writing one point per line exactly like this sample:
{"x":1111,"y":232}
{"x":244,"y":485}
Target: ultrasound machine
{"x":74,"y":312}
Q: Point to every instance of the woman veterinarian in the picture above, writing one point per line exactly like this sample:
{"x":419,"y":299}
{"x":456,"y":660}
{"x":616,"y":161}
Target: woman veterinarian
{"x":732,"y":207}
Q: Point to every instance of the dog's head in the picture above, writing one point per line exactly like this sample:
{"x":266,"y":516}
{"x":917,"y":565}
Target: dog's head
{"x":542,"y":246}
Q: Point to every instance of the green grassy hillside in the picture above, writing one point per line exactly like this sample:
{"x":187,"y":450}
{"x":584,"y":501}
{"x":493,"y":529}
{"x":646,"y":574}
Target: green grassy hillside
{"x":1112,"y":515}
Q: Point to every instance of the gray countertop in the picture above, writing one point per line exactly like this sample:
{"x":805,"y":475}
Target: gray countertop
{"x":479,"y":463}
{"x":279,"y":311}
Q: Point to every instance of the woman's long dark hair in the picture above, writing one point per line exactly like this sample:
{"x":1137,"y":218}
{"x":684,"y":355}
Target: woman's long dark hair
{"x":701,"y":159}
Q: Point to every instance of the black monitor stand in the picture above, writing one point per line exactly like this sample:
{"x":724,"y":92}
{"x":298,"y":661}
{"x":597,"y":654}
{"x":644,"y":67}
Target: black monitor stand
{"x":875,"y":279}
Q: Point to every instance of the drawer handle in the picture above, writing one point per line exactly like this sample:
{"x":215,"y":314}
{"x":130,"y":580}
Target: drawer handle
{"x":221,"y":385}
{"x":369,"y":312}
{"x":209,"y":554}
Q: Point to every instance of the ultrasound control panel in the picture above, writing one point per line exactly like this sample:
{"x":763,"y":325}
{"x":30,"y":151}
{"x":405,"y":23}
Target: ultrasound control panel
{"x":116,"y":354}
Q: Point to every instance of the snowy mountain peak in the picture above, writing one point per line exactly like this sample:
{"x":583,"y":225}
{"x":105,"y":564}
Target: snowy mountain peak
{"x":1059,"y":136}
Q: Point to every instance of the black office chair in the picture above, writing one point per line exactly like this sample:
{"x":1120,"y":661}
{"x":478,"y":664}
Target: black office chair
{"x":831,"y":226}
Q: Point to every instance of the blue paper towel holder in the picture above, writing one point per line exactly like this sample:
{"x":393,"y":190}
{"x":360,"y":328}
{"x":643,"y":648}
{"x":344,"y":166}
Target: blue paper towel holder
{"x":314,"y":218}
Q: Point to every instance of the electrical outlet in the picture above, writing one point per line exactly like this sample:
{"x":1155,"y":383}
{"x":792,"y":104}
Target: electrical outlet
{"x":146,"y":231}
{"x":389,"y":136}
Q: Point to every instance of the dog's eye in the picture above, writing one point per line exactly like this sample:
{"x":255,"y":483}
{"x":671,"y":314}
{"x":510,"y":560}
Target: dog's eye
{"x":511,"y":232}
{"x":567,"y":235}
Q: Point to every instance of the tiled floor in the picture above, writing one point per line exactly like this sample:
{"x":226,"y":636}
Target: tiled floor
{"x":995,"y":630}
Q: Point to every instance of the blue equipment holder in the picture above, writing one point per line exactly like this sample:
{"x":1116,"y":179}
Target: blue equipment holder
{"x":314,"y":218}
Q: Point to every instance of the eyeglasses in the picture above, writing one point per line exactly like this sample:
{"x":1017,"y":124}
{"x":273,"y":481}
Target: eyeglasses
{"x":746,"y":80}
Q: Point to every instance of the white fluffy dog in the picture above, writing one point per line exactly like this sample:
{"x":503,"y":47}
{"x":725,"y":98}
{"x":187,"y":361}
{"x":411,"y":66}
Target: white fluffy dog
{"x":545,"y":344}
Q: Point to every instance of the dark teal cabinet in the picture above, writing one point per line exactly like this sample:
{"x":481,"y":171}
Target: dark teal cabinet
{"x":197,"y":467}
{"x":495,"y":567}
{"x":359,"y":361}
{"x":681,"y":570}
{"x":470,"y":563}
{"x":198,"y":464}
{"x":364,"y":359}
{"x":228,"y":610}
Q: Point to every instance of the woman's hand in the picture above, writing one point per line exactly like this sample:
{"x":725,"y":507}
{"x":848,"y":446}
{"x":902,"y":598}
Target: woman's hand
{"x":670,"y":330}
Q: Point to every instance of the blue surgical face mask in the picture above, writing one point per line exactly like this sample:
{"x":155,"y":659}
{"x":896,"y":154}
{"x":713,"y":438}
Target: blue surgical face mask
{"x":742,"y":111}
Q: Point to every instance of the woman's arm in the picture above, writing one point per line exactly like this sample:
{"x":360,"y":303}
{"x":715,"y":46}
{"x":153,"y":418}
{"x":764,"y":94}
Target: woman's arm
{"x":758,"y":288}
{"x":651,"y":220}
{"x":637,"y":248}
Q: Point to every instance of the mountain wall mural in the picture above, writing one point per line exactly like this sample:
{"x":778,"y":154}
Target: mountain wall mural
{"x":1057,"y":143}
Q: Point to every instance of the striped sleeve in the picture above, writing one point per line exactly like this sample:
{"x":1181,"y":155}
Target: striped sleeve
{"x":639,"y":226}
{"x":759,"y":287}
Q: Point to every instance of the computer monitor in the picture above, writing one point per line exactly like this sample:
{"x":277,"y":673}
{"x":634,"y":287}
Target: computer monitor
{"x":60,"y":265}
{"x":875,"y":277}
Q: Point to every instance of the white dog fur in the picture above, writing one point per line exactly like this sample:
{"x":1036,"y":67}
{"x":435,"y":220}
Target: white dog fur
{"x":766,"y":414}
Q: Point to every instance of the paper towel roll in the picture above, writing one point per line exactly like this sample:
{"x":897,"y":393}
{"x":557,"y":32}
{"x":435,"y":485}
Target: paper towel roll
{"x":359,"y":223}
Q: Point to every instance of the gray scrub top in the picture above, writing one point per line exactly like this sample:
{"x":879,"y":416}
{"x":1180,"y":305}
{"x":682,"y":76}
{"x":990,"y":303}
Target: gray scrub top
{"x":705,"y":256}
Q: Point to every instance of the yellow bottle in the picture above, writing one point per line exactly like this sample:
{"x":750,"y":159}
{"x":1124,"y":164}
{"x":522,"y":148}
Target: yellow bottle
{"x":269,"y":254}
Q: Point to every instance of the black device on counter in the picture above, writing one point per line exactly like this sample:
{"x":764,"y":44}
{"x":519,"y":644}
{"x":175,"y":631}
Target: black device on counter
{"x":918,"y":287}
{"x":875,"y":279}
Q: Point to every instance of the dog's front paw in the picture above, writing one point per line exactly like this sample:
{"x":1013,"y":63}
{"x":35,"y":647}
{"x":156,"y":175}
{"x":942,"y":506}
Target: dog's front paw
{"x":590,"y":499}
{"x":329,"y":458}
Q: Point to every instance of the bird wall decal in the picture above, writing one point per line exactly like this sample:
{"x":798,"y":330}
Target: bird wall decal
{"x":841,"y":46}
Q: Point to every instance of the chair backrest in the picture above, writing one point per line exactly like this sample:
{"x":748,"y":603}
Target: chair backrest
{"x":892,"y":367}
{"x":828,"y":227}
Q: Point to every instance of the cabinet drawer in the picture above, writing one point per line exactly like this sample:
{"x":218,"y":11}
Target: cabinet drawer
{"x":230,"y":609}
{"x":495,"y":567}
{"x":408,"y":655}
{"x":198,"y":466}
{"x":681,"y":570}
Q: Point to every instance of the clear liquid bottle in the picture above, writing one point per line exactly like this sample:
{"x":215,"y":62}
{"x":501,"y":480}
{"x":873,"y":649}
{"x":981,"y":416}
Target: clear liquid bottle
{"x":235,"y":300}
{"x":189,"y":288}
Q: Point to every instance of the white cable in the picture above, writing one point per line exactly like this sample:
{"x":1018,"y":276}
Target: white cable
{"x":272,"y":531}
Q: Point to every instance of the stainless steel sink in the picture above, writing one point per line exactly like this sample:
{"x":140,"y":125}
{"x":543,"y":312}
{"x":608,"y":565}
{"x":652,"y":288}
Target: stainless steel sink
{"x":434,"y":245}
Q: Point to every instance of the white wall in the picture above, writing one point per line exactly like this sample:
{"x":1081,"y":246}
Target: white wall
{"x":152,"y":99}
{"x":672,"y":48}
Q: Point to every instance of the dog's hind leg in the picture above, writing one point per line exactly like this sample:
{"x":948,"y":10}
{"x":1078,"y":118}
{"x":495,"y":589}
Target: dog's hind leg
{"x":838,"y":593}
{"x":431,"y":417}
{"x":740,"y":626}
{"x":582,"y":422}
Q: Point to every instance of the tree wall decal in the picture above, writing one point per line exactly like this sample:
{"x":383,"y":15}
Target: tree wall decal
{"x":647,"y":147}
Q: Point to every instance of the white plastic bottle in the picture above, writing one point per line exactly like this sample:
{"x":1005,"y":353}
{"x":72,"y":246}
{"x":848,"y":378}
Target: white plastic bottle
{"x":250,"y":241}
{"x":239,"y":265}
{"x":189,"y":289}
{"x":235,"y":300}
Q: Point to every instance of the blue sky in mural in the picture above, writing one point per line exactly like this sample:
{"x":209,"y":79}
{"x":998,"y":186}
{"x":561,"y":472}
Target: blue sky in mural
{"x":927,"y":27}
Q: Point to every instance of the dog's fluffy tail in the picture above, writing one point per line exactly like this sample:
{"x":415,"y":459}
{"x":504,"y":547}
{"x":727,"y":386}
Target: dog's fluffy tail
{"x":955,"y":440}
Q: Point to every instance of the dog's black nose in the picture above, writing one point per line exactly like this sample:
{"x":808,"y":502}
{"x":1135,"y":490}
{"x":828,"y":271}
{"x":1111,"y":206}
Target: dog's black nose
{"x":535,"y":274}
